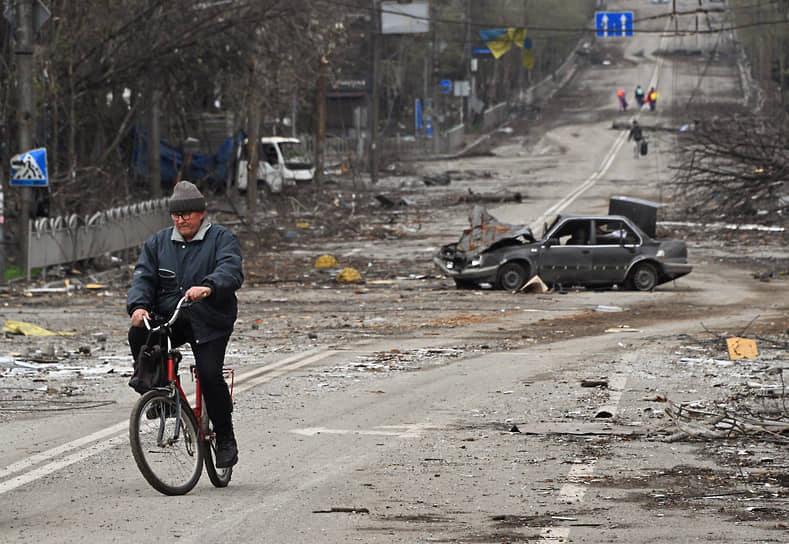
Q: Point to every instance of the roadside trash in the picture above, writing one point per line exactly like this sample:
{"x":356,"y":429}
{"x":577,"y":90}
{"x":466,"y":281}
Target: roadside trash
{"x":385,"y":201}
{"x":326,"y":261}
{"x":602,"y":308}
{"x":440,"y":179}
{"x":599,"y":382}
{"x":349,"y":275}
{"x":622,"y":328}
{"x":534,"y":285}
{"x":742,"y":348}
{"x":27,"y":329}
{"x":343,"y":509}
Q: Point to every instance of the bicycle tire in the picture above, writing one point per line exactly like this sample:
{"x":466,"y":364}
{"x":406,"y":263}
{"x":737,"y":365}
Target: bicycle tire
{"x":172,"y":467}
{"x":220,"y":477}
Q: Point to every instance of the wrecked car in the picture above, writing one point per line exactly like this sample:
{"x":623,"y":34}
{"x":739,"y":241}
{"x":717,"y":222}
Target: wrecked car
{"x":283,"y":162}
{"x":575,"y":250}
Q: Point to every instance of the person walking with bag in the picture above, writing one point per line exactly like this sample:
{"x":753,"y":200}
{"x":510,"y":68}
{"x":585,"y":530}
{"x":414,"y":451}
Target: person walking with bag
{"x":636,"y":135}
{"x":200,"y":261}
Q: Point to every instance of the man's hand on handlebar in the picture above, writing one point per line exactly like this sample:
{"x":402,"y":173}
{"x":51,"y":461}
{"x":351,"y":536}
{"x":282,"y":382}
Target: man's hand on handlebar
{"x":198,"y":292}
{"x":138,"y":315}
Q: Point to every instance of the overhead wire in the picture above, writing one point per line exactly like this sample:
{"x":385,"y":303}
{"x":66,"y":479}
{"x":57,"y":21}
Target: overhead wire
{"x":577,"y":29}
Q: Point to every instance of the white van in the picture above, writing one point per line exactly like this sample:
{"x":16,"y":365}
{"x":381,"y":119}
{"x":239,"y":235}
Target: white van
{"x":283,"y":162}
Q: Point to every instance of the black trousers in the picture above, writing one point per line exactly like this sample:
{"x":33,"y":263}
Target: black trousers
{"x":209,"y":360}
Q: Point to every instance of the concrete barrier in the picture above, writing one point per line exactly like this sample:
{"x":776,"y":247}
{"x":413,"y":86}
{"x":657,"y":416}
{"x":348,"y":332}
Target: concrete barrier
{"x":60,"y":240}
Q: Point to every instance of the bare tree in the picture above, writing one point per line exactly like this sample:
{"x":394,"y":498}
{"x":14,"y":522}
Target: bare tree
{"x":735,"y":168}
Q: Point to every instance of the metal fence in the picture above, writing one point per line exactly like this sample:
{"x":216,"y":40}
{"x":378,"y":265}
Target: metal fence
{"x":60,"y":240}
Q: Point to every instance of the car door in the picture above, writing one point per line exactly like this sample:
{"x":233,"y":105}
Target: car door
{"x":614,"y":246}
{"x":565,"y":254}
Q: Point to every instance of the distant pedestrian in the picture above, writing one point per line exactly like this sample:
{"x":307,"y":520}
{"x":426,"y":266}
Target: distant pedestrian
{"x":636,"y":135}
{"x":639,"y":95}
{"x":620,"y":95}
{"x":652,"y":97}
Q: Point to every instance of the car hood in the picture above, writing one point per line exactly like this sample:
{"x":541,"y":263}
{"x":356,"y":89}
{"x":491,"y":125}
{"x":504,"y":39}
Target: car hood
{"x":486,"y":230}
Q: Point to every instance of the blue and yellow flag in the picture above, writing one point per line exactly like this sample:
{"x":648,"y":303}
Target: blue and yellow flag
{"x":501,"y":40}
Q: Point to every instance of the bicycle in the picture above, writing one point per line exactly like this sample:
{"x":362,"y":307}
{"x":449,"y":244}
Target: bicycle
{"x":170,"y":439}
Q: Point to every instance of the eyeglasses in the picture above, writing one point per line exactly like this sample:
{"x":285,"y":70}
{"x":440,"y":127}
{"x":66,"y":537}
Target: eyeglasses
{"x":183,"y":216}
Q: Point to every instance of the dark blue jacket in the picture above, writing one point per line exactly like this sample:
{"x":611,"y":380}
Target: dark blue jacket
{"x":168,"y":266}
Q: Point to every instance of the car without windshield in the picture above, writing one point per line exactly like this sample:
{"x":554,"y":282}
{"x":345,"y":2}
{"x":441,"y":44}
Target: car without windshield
{"x":576,"y":250}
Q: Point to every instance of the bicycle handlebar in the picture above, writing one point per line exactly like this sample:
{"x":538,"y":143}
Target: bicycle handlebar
{"x":181,"y":304}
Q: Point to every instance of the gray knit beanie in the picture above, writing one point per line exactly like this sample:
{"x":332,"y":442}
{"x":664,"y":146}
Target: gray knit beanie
{"x":186,"y":198}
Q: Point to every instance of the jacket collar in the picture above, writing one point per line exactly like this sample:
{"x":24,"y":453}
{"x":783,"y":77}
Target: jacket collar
{"x":199,"y":235}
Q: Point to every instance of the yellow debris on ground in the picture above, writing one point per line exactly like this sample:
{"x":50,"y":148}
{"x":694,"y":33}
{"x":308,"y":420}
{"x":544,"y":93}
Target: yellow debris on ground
{"x":742,"y":348}
{"x":28,"y":329}
{"x":349,"y":275}
{"x":326,"y":261}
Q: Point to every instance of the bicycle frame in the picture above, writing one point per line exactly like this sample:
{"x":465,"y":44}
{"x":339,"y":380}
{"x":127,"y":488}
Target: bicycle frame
{"x":175,"y":382}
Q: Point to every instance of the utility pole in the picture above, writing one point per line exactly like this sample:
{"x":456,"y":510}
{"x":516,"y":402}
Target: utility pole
{"x":320,"y":120}
{"x":467,"y":55}
{"x":375,"y":37}
{"x":24,"y":114}
{"x":434,"y":77}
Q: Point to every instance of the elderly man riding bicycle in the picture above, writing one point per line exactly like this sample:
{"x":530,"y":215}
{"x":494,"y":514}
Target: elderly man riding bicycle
{"x":199,"y":261}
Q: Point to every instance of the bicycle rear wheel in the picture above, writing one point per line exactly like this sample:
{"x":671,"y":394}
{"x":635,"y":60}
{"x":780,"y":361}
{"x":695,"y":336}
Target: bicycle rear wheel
{"x":220,"y":477}
{"x":171,"y":462}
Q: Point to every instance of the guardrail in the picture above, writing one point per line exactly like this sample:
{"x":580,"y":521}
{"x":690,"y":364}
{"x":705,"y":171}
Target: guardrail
{"x":68,"y":239}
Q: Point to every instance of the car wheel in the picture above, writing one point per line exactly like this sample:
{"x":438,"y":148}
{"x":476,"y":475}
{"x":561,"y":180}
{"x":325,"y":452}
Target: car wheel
{"x":465,"y":284}
{"x":643,"y":277}
{"x":512,"y":276}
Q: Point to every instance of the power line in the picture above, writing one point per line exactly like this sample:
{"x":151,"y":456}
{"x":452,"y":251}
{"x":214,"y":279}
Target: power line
{"x":575,"y":29}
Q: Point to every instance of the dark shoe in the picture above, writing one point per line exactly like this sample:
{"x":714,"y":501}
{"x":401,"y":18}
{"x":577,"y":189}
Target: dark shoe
{"x":226,"y":452}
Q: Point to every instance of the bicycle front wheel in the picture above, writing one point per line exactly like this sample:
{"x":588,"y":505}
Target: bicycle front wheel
{"x":166,"y":444}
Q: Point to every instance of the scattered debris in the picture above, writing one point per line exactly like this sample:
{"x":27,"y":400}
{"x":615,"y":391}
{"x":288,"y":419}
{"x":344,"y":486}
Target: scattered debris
{"x":622,"y":328}
{"x":742,"y":348}
{"x":28,"y":329}
{"x":342,"y":509}
{"x":599,"y":382}
{"x":534,"y":285}
{"x":349,"y":275}
{"x":326,"y":261}
{"x":439,"y":179}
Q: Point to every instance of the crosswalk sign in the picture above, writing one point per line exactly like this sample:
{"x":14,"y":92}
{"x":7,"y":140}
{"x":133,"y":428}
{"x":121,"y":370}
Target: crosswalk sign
{"x":30,"y":169}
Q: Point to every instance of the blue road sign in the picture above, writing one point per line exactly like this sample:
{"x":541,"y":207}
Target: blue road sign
{"x":30,"y":169}
{"x":614,"y":23}
{"x":445,"y":85}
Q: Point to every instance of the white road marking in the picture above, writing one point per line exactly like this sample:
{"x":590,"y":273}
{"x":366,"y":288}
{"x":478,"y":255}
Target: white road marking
{"x":53,"y":459}
{"x":574,"y":491}
{"x":407,"y":431}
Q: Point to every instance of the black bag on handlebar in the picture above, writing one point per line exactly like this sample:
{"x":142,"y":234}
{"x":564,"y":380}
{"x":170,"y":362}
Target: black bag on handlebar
{"x":150,"y":370}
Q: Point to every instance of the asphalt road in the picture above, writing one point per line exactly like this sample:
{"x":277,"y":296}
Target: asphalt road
{"x":408,"y":411}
